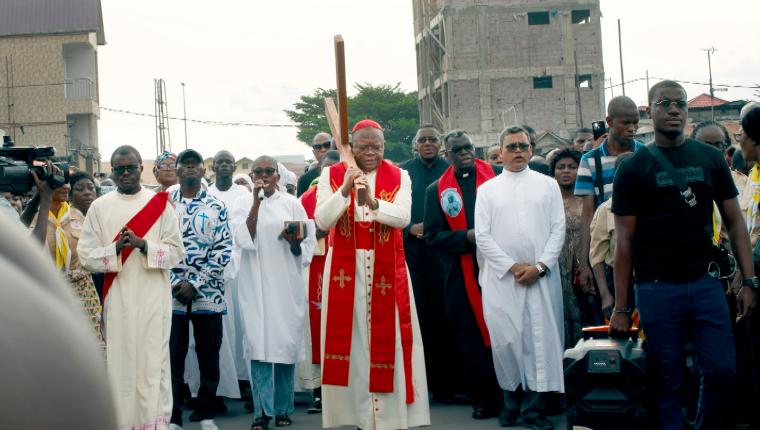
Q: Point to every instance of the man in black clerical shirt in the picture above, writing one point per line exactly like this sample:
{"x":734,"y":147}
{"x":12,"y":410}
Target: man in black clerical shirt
{"x":448,"y":227}
{"x":424,"y":264}
{"x":320,"y":145}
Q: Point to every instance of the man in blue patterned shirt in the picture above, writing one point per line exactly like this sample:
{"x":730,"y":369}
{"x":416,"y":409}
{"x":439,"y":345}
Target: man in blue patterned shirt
{"x":198,"y":287}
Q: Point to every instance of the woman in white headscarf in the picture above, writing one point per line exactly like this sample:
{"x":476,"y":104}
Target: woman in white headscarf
{"x":244,"y":180}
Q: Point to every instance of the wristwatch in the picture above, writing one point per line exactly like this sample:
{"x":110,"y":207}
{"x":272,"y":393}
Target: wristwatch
{"x":542,"y":271}
{"x":751,"y":282}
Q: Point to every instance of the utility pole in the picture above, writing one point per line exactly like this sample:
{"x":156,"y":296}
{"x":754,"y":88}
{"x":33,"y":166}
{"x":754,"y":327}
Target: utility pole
{"x":711,"y":50}
{"x":620,"y":47}
{"x":184,"y":112}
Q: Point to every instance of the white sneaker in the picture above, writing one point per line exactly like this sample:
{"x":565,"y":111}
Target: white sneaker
{"x":174,"y":427}
{"x":208,"y":425}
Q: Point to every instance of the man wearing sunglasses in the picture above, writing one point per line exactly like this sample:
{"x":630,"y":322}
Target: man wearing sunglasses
{"x":424,"y":264}
{"x":663,"y":204}
{"x":133,"y":236}
{"x":449,"y":222}
{"x":519,"y":233}
{"x":321,"y":143}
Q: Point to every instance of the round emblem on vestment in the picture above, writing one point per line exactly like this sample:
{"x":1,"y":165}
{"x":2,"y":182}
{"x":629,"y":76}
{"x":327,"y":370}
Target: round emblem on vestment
{"x":451,"y":202}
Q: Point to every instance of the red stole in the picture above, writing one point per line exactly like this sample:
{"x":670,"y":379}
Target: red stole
{"x":452,"y":204}
{"x":388,"y":291}
{"x":139,"y":224}
{"x":316,"y":271}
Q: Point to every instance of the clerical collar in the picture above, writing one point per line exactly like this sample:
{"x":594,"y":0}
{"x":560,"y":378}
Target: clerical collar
{"x":464,"y":174}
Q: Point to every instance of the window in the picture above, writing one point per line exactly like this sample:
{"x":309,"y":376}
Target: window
{"x":584,"y":81}
{"x":542,"y":82}
{"x":538,"y":18}
{"x":245,"y":165}
{"x":581,"y":16}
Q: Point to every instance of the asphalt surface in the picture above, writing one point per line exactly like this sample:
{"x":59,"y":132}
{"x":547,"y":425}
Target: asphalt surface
{"x":442,"y":417}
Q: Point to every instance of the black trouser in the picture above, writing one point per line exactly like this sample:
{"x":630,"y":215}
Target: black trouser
{"x":207,"y":331}
{"x":479,"y":374}
{"x":530,"y":404}
{"x":425,"y":271}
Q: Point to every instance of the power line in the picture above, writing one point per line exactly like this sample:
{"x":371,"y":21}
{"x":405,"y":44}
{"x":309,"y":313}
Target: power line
{"x":206,"y":122}
{"x":707,"y":84}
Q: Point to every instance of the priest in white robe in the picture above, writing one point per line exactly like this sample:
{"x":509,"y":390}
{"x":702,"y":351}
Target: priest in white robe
{"x":133,"y":237}
{"x":270,"y":291}
{"x":519,"y":231}
{"x":384,"y":387}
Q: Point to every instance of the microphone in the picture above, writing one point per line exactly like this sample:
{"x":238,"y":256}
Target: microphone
{"x":261,"y":195}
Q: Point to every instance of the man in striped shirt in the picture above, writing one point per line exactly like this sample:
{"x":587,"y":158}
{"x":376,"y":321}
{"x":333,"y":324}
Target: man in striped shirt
{"x":594,"y":184}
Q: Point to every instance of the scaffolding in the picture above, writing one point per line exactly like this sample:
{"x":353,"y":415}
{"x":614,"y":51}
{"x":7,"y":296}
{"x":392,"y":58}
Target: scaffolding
{"x":431,"y":51}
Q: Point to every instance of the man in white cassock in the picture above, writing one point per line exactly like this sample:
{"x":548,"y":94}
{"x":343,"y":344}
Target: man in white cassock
{"x":277,"y":242}
{"x":133,"y":237}
{"x":367,"y":297}
{"x":519,"y":231}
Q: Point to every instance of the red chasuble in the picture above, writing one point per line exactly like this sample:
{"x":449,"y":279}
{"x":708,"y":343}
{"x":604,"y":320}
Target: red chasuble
{"x":140,"y":224}
{"x":316,"y":272}
{"x":388,"y":290}
{"x":452,"y":204}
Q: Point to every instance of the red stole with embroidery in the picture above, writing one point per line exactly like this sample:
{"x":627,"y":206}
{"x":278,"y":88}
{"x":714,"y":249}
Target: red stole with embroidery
{"x":140,"y":224}
{"x":452,"y":204}
{"x":387,"y":291}
{"x":316,"y":271}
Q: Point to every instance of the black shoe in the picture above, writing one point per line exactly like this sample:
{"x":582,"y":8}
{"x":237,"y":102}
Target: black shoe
{"x":480,"y":413}
{"x":260,"y":423}
{"x":316,"y":406}
{"x":282,"y":421}
{"x":508,"y":418}
{"x":538,"y":422}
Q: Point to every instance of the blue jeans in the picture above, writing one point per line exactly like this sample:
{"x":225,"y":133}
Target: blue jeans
{"x":697,"y":310}
{"x":272,"y":388}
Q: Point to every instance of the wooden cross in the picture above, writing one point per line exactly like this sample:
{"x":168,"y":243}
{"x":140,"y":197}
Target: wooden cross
{"x":383,"y":286}
{"x":342,"y":279}
{"x":337,"y":118}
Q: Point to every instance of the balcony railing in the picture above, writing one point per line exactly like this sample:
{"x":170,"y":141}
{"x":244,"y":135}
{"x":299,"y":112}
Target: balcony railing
{"x":80,"y":89}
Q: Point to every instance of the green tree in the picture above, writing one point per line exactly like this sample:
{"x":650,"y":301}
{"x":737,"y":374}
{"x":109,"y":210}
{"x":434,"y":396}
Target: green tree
{"x":394,"y":109}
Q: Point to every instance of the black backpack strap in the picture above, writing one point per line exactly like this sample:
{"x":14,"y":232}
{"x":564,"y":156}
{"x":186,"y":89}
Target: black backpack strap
{"x":688,"y":196}
{"x":599,"y":182}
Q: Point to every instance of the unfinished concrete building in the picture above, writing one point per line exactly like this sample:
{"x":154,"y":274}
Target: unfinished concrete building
{"x":486,"y":64}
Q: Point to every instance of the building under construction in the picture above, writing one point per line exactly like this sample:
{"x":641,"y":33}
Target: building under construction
{"x":486,"y":64}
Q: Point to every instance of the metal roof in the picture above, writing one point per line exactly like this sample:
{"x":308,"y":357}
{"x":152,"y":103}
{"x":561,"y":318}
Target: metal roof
{"x":27,"y":17}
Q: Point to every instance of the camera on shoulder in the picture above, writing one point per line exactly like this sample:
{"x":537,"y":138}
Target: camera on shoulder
{"x":17,"y":164}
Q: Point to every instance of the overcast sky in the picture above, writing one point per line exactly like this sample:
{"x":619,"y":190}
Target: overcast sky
{"x":244,"y":60}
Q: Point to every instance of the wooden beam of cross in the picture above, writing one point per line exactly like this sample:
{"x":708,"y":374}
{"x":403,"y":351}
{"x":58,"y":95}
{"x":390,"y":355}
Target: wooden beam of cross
{"x":337,"y":117}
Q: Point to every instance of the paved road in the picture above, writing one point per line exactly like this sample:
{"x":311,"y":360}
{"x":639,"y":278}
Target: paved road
{"x":443,"y":417}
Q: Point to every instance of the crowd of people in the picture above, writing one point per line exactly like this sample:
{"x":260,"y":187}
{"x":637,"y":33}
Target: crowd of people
{"x":379,"y":287}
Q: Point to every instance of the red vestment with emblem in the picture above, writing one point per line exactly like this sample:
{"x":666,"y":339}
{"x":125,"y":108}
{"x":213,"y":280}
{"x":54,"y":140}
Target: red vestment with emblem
{"x":458,"y":221}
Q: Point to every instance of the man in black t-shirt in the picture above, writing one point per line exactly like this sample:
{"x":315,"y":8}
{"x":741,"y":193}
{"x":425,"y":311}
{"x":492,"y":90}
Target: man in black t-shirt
{"x":668,"y":243}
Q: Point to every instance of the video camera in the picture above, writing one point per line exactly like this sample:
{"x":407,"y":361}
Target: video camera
{"x":17,"y":164}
